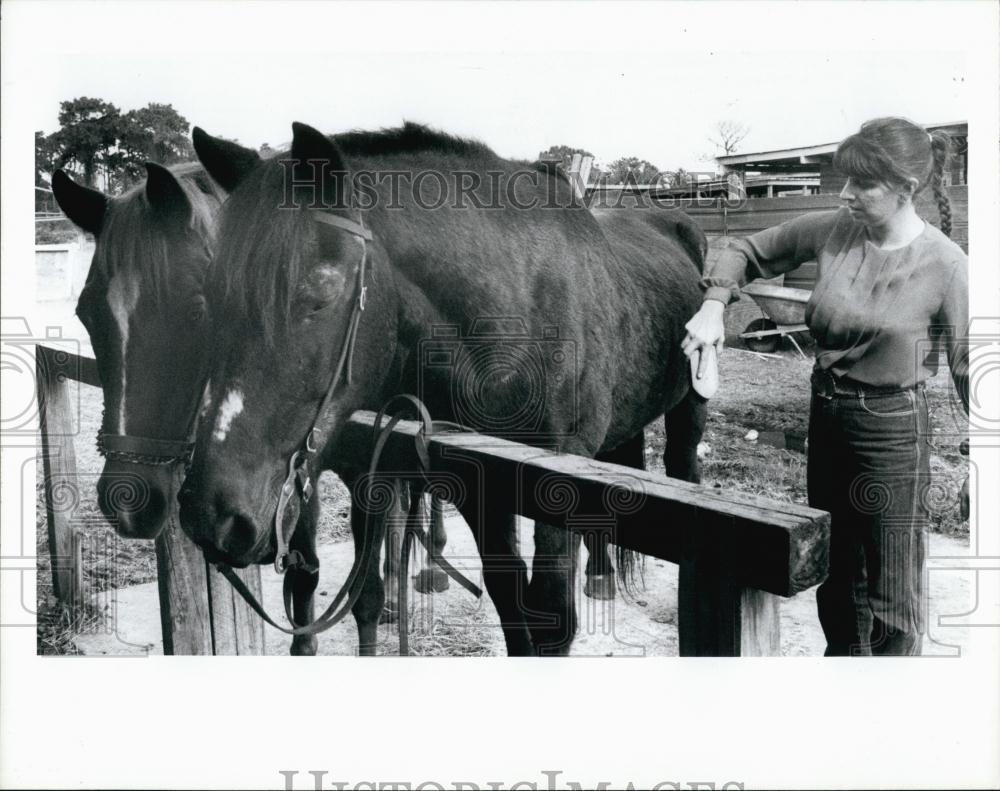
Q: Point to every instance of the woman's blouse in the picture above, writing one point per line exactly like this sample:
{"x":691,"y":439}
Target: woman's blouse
{"x":878,"y":316}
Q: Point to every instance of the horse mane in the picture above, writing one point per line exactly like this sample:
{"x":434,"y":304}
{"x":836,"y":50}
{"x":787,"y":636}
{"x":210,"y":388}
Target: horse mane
{"x":410,"y":138}
{"x":129,"y":241}
{"x":253,"y":277}
{"x":256,"y":273}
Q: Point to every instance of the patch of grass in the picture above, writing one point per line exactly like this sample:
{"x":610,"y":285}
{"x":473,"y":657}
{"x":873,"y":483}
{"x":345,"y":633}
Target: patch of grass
{"x":58,"y":625}
{"x":772,"y":394}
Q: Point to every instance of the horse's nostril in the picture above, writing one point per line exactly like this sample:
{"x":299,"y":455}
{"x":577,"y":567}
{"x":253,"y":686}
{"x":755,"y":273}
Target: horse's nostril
{"x":236,"y":536}
{"x":134,"y":512}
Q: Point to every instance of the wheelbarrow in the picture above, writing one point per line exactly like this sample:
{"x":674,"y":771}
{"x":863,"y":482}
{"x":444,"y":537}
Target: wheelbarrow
{"x":785,"y":314}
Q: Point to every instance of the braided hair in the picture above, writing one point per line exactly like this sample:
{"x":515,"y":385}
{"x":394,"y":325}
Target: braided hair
{"x":895,"y":150}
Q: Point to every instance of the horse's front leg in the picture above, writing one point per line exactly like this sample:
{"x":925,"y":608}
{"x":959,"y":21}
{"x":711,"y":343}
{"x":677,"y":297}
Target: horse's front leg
{"x":551,"y":602}
{"x":504,"y":572}
{"x":370,"y":605}
{"x":304,"y":578}
{"x":394,"y":529}
{"x":432,"y":579}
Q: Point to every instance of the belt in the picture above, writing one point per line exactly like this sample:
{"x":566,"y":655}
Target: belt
{"x":826,"y":384}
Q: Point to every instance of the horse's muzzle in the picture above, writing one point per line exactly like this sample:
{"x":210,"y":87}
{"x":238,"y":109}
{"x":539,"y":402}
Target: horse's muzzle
{"x":225,"y":532}
{"x":135,"y":498}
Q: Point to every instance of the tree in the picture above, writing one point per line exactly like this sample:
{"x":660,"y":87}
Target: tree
{"x":677,"y":178}
{"x":727,"y":135}
{"x":633,"y":170}
{"x":45,"y":153}
{"x":155,"y":132}
{"x":162,"y":132}
{"x":88,"y":131}
{"x":563,"y":155}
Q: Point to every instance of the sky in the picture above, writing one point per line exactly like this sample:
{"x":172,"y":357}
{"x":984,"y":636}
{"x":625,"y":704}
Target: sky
{"x":517,"y":82}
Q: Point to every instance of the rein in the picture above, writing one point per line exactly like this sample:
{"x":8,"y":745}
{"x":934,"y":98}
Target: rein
{"x":351,"y":589}
{"x":297,"y":488}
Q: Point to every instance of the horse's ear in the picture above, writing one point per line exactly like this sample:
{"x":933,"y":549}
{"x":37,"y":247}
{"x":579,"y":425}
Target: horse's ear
{"x":84,"y":206}
{"x":165,"y":194}
{"x":225,"y":161}
{"x":317,"y":159}
{"x":309,"y":143}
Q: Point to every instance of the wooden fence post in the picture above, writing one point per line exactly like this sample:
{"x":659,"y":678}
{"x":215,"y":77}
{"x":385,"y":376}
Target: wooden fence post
{"x":717,"y":616}
{"x":58,"y":426}
{"x":199,"y":613}
{"x":182,"y":579}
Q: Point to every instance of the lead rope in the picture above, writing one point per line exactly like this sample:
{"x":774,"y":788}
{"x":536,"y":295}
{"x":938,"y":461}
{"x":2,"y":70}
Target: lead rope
{"x":351,"y":589}
{"x":298,"y":479}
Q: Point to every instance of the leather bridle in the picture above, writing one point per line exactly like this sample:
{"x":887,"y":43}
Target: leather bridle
{"x":298,"y":479}
{"x":297,"y":488}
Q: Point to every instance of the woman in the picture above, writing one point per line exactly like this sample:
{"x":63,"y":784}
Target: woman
{"x":888,"y":285}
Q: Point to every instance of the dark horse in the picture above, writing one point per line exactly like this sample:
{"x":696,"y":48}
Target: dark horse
{"x":144,"y":308}
{"x":606,"y":297}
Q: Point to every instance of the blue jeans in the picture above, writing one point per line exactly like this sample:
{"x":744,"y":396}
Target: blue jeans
{"x":869,"y":466}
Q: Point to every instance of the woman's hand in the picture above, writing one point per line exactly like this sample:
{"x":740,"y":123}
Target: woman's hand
{"x":705,"y":329}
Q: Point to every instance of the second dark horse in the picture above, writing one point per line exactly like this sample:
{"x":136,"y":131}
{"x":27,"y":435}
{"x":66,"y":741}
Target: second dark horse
{"x":588,"y":354}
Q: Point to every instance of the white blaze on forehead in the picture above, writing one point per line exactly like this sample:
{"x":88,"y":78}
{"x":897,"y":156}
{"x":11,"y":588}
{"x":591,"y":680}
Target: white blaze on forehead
{"x":231,"y":406}
{"x":123,"y":294}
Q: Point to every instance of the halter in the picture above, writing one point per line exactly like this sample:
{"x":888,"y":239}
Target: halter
{"x":147,"y":450}
{"x":298,"y":479}
{"x":144,"y":450}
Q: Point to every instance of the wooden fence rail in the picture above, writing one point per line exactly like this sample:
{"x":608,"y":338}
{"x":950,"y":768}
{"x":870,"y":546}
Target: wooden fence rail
{"x":199,"y":612}
{"x":735,"y":551}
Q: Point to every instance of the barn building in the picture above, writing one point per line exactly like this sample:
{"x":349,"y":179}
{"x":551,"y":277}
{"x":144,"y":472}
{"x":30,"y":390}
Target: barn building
{"x":772,"y":173}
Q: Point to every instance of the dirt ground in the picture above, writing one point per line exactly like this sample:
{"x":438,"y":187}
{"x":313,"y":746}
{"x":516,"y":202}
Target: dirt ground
{"x":768,"y":395}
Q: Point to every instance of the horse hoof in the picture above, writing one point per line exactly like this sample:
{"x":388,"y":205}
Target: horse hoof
{"x":389,"y":615}
{"x":430,"y":581}
{"x":600,"y":586}
{"x":306,"y":645}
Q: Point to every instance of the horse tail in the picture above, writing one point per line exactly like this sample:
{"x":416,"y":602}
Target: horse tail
{"x":631,"y":565}
{"x":631,"y":570}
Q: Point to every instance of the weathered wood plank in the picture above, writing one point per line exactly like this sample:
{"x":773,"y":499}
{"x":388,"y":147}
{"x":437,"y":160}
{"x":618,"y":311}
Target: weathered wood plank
{"x":182,"y":578}
{"x":760,"y":623}
{"x":782,"y":546}
{"x":236,"y":629}
{"x":59,"y":423}
{"x":249,"y":627}
{"x":66,"y":365}
{"x":716,"y":616}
